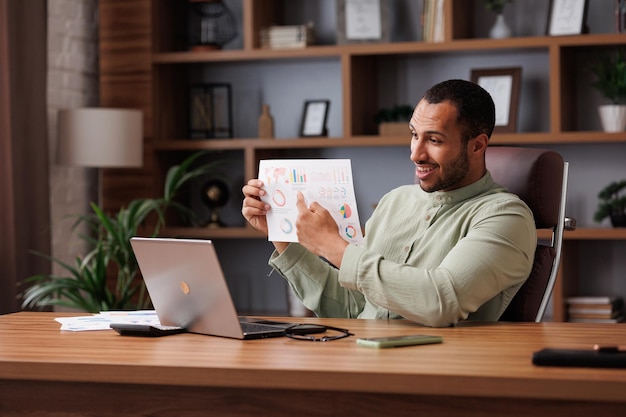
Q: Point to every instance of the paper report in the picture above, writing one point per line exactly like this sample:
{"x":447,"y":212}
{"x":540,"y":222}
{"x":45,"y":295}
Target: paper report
{"x":327,"y":181}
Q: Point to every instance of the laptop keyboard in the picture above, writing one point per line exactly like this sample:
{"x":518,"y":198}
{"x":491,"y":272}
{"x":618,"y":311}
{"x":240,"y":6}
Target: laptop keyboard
{"x":256,"y":327}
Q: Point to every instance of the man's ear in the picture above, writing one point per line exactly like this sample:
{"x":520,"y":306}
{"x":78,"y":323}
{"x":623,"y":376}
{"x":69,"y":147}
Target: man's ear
{"x":478,"y":146}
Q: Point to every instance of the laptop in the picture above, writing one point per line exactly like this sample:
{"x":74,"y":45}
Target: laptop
{"x":188,"y":290}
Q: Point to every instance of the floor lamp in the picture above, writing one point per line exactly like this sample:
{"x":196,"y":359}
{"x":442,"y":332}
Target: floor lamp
{"x":100,"y":138}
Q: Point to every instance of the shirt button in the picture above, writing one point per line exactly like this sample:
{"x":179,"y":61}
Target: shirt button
{"x":428,"y":217}
{"x":406,"y":248}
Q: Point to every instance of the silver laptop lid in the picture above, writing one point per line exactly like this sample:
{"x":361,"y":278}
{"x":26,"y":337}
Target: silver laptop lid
{"x":186,"y":284}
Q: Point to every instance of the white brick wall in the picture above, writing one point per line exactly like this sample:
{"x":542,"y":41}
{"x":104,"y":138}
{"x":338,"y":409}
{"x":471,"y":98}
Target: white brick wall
{"x":72,"y":82}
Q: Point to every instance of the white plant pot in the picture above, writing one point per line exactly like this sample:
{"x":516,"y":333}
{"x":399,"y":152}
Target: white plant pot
{"x":500,"y":29}
{"x":612,"y":117}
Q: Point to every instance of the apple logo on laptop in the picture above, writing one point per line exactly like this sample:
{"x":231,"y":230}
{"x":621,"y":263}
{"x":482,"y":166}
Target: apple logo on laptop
{"x":184,"y":287}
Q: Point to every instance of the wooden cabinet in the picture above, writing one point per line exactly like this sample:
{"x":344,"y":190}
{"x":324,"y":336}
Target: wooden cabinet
{"x":145,"y":63}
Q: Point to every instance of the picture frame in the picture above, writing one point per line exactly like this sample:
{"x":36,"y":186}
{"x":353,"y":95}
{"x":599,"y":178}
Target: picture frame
{"x":567,"y":17}
{"x":362,"y":21}
{"x":210,"y":111}
{"x":503,"y":84}
{"x":314,"y":117}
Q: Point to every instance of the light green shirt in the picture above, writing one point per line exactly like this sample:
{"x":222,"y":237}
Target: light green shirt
{"x":433,"y":258}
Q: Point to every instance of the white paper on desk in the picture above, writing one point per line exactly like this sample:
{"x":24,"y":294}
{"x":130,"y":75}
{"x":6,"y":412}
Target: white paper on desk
{"x":327,"y":181}
{"x":102,"y":320}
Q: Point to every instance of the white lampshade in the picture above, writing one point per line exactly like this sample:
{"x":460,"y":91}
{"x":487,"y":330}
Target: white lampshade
{"x":101,"y":138}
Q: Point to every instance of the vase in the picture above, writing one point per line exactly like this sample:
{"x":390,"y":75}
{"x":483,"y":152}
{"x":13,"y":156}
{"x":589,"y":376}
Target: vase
{"x":618,"y":220}
{"x":266,"y":123}
{"x":500,"y":29}
{"x":612,"y":117}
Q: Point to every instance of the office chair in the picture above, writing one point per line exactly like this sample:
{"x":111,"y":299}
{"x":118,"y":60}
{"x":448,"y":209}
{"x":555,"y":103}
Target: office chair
{"x":539,"y":177}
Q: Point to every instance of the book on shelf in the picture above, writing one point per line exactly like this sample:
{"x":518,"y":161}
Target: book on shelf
{"x":601,"y":309}
{"x":620,"y":16}
{"x":619,"y":319}
{"x":577,"y":314}
{"x":277,"y":37}
{"x":432,"y":21}
{"x":602,"y":299}
{"x":286,"y":31}
{"x":596,"y":309}
{"x":278,"y":44}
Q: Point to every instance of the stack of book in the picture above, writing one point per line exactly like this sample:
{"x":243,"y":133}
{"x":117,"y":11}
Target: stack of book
{"x":433,"y":21}
{"x":595,"y":309}
{"x":279,"y":37}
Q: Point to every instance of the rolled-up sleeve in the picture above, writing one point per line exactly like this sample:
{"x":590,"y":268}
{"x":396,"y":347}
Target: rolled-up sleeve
{"x":316,"y":283}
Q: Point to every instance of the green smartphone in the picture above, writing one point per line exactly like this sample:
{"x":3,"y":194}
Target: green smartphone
{"x":396,"y":341}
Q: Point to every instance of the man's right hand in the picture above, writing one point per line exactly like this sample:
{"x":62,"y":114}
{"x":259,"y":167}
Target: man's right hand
{"x":253,"y":209}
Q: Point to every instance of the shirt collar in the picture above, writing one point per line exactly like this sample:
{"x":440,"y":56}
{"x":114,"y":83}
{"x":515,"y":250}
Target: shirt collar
{"x":439,"y":198}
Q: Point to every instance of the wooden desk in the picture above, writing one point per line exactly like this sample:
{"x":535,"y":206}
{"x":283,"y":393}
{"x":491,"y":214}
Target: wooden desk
{"x":478,"y":370}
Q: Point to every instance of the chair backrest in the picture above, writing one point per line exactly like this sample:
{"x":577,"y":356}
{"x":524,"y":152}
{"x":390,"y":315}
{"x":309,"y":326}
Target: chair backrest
{"x":539,"y":178}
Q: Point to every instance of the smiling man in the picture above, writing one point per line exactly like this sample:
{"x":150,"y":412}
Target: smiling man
{"x":455,"y":247}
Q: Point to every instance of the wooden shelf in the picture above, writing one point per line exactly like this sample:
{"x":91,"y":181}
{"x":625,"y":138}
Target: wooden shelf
{"x":582,"y":138}
{"x":188,"y":57}
{"x":618,"y":233}
{"x":375,"y":141}
{"x":396,"y":48}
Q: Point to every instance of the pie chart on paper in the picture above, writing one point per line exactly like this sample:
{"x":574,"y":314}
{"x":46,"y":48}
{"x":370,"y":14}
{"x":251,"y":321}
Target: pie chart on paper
{"x":345,"y":211}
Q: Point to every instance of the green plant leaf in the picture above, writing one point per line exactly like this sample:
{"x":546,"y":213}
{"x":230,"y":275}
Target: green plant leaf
{"x":496,"y":6}
{"x":611,"y":200}
{"x":609,"y":71}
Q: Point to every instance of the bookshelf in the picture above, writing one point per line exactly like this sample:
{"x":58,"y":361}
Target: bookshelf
{"x":144,"y":63}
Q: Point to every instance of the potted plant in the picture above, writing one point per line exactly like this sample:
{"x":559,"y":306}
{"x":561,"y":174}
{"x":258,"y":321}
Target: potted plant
{"x":612,"y":204}
{"x":500,"y":29}
{"x":609,"y":72}
{"x":87,"y":286}
{"x":496,"y":6}
{"x":394,"y":121}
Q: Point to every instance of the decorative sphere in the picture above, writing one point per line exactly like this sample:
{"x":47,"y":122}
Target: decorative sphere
{"x":215,"y":193}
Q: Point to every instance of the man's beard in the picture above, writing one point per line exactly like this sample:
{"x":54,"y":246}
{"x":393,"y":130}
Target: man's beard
{"x":458,"y":169}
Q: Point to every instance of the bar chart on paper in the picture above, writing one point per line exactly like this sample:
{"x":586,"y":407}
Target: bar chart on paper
{"x":326,"y":181}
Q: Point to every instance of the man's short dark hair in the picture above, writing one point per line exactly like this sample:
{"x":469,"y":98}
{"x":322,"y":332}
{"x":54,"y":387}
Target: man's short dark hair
{"x":474,"y":105}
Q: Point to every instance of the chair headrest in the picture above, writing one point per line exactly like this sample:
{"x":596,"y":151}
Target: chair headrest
{"x":535,"y":175}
